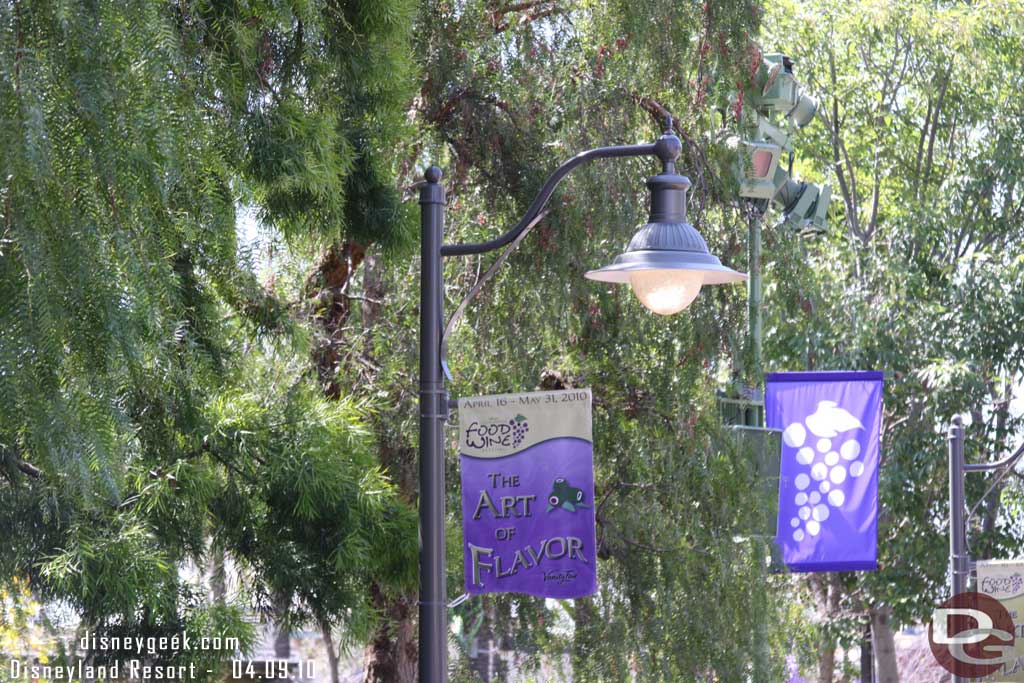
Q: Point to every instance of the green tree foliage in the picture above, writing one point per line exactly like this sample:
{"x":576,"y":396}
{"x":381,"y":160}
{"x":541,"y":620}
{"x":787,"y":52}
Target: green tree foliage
{"x":920,"y":274}
{"x":159,"y":404}
{"x":155,"y":401}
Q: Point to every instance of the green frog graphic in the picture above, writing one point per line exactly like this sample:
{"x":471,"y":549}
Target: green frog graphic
{"x":565,"y":496}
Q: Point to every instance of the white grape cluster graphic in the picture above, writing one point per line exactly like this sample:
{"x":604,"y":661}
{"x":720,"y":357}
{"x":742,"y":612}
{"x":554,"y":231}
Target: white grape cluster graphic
{"x":829,"y":464}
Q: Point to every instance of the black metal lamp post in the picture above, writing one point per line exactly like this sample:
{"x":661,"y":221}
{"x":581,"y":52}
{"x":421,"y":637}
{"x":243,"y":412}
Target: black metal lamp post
{"x":666,"y":263}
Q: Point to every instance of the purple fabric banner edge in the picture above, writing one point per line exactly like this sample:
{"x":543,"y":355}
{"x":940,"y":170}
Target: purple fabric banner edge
{"x":852,"y":566}
{"x":825,"y":376}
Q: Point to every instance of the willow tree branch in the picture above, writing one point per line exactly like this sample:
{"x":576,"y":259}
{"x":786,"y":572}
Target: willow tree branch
{"x":482,"y":280}
{"x":29,"y":469}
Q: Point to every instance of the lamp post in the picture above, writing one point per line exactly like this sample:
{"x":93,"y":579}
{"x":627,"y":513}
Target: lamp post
{"x":666,"y":263}
{"x":960,"y":562}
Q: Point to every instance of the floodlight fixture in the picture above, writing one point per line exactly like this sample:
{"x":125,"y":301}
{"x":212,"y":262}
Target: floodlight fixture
{"x":804,"y":205}
{"x":757,"y":164}
{"x":781,"y":93}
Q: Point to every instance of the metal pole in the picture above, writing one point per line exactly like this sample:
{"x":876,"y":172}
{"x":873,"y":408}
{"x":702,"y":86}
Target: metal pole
{"x":433,"y":643}
{"x":867,"y":659}
{"x":957,"y":530}
{"x":751,"y":417}
{"x":754,"y":286}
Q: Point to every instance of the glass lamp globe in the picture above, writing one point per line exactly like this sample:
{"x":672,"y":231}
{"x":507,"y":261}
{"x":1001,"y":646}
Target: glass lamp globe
{"x":666,"y":291}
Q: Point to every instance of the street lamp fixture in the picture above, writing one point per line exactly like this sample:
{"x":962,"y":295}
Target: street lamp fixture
{"x":667,"y":262}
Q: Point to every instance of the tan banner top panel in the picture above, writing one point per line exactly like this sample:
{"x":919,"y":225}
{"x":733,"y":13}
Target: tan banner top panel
{"x":503,"y":424}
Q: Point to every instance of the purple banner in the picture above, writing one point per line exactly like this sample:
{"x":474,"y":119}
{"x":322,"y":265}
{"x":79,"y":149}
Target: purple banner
{"x":828,"y":485}
{"x":528,"y":494}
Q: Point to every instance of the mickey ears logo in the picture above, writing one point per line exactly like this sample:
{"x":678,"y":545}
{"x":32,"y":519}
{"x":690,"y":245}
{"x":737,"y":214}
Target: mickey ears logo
{"x":971,"y":635}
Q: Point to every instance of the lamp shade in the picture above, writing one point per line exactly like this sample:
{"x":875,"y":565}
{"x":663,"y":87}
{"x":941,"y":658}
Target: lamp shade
{"x":667,"y":261}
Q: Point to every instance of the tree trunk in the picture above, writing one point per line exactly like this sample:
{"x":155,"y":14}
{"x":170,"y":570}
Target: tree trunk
{"x":485,"y":658}
{"x":481,"y":652}
{"x":826,"y":661}
{"x":392,"y":654}
{"x":218,"y":576}
{"x":332,"y":651}
{"x":282,"y":633}
{"x":282,"y":643}
{"x":328,"y":287}
{"x":884,"y":645}
{"x":373,"y":291}
{"x":829,"y":592}
{"x":584,"y":649}
{"x":1001,"y":407}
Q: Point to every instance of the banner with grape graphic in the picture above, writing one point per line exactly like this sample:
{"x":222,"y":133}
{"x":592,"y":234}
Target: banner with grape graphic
{"x":828,"y":485}
{"x":528,"y":493}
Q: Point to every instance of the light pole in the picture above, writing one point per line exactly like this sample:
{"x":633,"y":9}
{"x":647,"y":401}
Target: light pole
{"x":666,"y":263}
{"x":960,"y":563}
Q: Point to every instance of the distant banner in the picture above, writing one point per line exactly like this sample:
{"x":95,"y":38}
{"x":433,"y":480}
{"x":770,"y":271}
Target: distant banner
{"x":1004,"y":581}
{"x":828,"y":486}
{"x":528,"y":493}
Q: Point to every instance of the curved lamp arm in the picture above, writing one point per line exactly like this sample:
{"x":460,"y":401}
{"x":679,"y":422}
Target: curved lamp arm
{"x":989,"y":466}
{"x":667,"y":149}
{"x":1008,"y":462}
